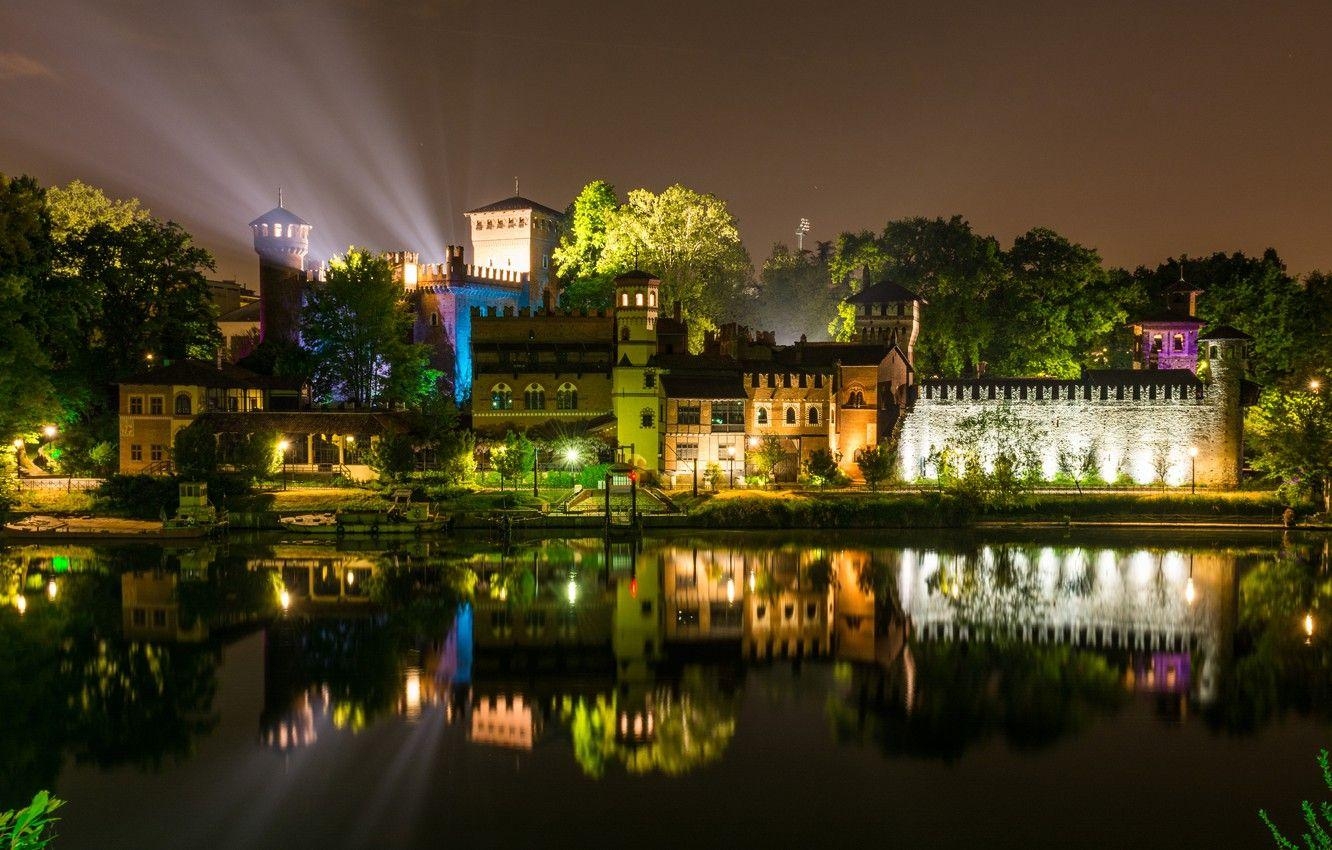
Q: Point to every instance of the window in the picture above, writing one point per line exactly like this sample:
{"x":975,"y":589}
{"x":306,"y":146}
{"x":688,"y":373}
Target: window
{"x":901,"y":309}
{"x":689,"y":414}
{"x":136,"y":452}
{"x":534,"y":397}
{"x":624,"y":299}
{"x":156,"y":405}
{"x":545,"y":261}
{"x":728,"y":415}
{"x":649,"y":380}
{"x":638,"y":299}
{"x":233,"y":403}
{"x":804,"y":380}
{"x":652,"y":299}
{"x":790,"y":416}
{"x":1179,"y":342}
{"x":566,"y":397}
{"x":686,"y":451}
{"x":855,"y":398}
{"x":624,"y":333}
{"x":183,"y":405}
{"x":159,"y":618}
{"x":646,"y":418}
{"x":155,"y":452}
{"x":140,"y":617}
{"x":501,"y":397}
{"x":434,"y":320}
{"x":761,"y":416}
{"x":1157,"y":342}
{"x":136,"y":404}
{"x":813,"y":416}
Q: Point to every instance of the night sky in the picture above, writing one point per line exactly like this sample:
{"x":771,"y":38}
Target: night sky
{"x":1139,"y":130}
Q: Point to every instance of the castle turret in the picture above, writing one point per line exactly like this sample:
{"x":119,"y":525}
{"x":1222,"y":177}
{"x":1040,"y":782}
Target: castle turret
{"x":634,"y":384}
{"x":282,"y":240}
{"x":1226,"y":355}
{"x":517,"y":235}
{"x":889,"y":314}
{"x":1168,"y":338}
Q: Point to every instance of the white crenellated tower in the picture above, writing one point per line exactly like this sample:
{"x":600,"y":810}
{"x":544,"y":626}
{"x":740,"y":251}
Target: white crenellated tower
{"x":634,"y":383}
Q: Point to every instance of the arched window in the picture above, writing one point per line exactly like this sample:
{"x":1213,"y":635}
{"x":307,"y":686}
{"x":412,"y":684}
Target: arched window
{"x":652,"y":299}
{"x":434,"y":320}
{"x":790,"y":416}
{"x":813,"y":416}
{"x":638,"y":299}
{"x":624,"y":299}
{"x":646,"y":417}
{"x":624,"y":333}
{"x":855,"y":398}
{"x":761,"y":416}
{"x":263,"y":229}
{"x":566,"y":397}
{"x":534,"y":397}
{"x":184,"y":407}
{"x":501,"y":397}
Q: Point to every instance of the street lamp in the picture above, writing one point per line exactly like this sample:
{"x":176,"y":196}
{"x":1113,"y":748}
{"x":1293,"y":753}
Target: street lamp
{"x":730,"y":455}
{"x":283,"y":445}
{"x":50,"y":432}
{"x":1314,"y":384}
{"x":1193,"y":470}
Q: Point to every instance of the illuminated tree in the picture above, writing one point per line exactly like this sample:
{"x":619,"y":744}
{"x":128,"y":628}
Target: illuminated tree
{"x":1291,"y":434}
{"x":764,"y":458}
{"x":688,"y":239}
{"x":513,"y":457}
{"x":357,"y":334}
{"x":77,"y":208}
{"x":876,"y":464}
{"x":579,"y":253}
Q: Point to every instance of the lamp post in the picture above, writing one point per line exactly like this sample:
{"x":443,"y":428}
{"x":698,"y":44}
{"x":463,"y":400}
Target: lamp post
{"x":536,"y":455}
{"x":1193,"y":470}
{"x":283,"y":445}
{"x":696,"y":475}
{"x":730,"y":455}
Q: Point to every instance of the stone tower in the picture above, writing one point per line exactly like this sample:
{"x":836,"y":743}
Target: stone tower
{"x":633,"y":384}
{"x":1226,"y":355}
{"x":888,"y":313}
{"x":282,"y":240}
{"x":1168,"y":338}
{"x":519,"y":235}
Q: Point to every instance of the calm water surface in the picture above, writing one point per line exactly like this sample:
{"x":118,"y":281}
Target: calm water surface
{"x":743,"y":689}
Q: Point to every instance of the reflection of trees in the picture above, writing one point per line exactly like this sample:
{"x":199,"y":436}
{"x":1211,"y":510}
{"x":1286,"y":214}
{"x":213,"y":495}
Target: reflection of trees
{"x":692,"y":726}
{"x":967,"y":693}
{"x":1006,"y":589}
{"x":1276,"y":668}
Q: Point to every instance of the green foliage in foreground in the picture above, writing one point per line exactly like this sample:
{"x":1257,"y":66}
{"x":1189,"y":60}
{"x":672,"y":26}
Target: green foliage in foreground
{"x":1317,"y":818}
{"x":32,"y":827}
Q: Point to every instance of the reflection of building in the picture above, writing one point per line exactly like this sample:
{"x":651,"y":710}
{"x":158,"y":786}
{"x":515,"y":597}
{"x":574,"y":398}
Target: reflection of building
{"x":151,"y":610}
{"x":506,"y":720}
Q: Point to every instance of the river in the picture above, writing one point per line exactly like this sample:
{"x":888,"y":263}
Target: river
{"x":1017,"y":689}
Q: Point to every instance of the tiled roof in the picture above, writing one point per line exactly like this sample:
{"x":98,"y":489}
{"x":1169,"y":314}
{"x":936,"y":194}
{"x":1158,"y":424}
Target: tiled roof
{"x":517,"y":202}
{"x":279,"y":215}
{"x":200,"y":373}
{"x":884,"y":292}
{"x":305,"y":422}
{"x":1225,"y":332}
{"x":244,"y":313}
{"x":720,"y":385}
{"x":830,"y":354}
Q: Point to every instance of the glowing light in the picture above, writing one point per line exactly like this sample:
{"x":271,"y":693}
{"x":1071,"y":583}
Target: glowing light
{"x":350,"y":438}
{"x":413,"y":692}
{"x":284,"y":598}
{"x":50,"y":431}
{"x":1193,"y":451}
{"x":21,"y":603}
{"x":1314,"y":384}
{"x":571,"y":455}
{"x":1308,"y":624}
{"x":753,"y":442}
{"x":351,"y":578}
{"x":409,"y":274}
{"x":730,"y":451}
{"x":1190,"y":593}
{"x":572,"y":592}
{"x":730,"y":591}
{"x":52,"y":589}
{"x":283,"y":445}
{"x":504,"y":594}
{"x":753,"y":580}
{"x":633,"y":587}
{"x":18,"y":444}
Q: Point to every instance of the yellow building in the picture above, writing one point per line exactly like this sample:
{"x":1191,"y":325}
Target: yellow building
{"x":634,"y":380}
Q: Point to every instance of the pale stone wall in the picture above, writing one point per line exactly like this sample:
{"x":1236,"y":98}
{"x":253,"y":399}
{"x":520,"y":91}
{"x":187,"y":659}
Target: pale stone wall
{"x":1133,"y":425}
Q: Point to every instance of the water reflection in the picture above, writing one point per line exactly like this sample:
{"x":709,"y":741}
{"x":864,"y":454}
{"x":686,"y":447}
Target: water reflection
{"x":633,"y":657}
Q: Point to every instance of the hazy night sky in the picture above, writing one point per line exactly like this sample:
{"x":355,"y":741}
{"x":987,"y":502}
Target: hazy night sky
{"x":1140,"y":129}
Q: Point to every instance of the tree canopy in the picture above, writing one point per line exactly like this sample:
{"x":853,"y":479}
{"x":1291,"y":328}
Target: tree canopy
{"x":357,"y":334}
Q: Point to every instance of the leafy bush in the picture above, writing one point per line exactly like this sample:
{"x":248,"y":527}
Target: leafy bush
{"x":142,"y":496}
{"x":194,"y":453}
{"x":32,"y":827}
{"x":876,"y":464}
{"x":1318,"y":836}
{"x":391,"y":456}
{"x":821,"y":468}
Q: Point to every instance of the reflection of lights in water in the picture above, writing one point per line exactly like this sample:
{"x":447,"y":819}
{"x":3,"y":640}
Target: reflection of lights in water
{"x":753,"y":580}
{"x":730,"y":590}
{"x":351,"y":577}
{"x":285,"y":599}
{"x":572,"y":592}
{"x":909,"y":678}
{"x":1190,"y":593}
{"x":1308,"y":624}
{"x":52,"y":589}
{"x":504,"y":593}
{"x":412,"y":692}
{"x":21,"y":603}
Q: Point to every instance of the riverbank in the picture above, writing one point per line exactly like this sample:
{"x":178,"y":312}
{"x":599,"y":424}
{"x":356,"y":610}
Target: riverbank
{"x":755,"y":509}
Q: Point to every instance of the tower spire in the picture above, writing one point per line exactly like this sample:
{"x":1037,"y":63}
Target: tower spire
{"x":279,"y":197}
{"x":516,"y":193}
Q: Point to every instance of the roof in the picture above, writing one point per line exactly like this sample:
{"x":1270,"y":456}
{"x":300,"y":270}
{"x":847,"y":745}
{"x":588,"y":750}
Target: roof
{"x":244,"y":313}
{"x":1225,"y":332}
{"x":279,"y":215}
{"x":201,"y":373}
{"x":830,"y":354}
{"x":305,"y":422}
{"x":517,"y":202}
{"x":704,"y":386}
{"x":884,"y":292}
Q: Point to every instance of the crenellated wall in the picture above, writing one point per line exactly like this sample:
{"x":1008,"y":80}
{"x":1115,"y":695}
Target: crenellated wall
{"x":1136,"y":420}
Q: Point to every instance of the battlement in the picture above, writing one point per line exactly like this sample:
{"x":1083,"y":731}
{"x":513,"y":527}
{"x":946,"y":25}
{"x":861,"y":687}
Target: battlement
{"x":452,"y":272}
{"x":508,"y":312}
{"x":1162,"y":385}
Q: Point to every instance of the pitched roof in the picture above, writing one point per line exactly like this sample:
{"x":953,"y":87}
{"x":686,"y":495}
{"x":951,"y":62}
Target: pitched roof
{"x":517,"y":202}
{"x":200,"y":373}
{"x":717,"y":385}
{"x":884,"y":292}
{"x":830,"y":354}
{"x":279,"y":215}
{"x":1225,"y":332}
{"x":244,"y":313}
